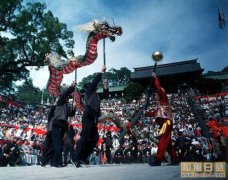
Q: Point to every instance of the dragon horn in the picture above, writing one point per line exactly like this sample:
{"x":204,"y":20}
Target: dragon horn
{"x":113,"y":21}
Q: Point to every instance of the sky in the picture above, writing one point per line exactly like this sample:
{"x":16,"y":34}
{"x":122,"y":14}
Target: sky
{"x":181,"y":29}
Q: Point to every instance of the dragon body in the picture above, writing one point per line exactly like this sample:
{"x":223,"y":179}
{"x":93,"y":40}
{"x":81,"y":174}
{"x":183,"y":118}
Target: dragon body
{"x":57,"y":67}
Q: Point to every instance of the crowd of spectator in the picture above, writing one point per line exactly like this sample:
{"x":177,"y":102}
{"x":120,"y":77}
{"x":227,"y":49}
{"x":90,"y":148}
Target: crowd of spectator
{"x":22,"y":131}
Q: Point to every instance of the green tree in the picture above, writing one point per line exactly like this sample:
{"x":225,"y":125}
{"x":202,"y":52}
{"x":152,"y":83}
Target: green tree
{"x":86,"y":79}
{"x":118,"y":77}
{"x":31,"y":33}
{"x":28,"y":94}
{"x":225,"y":69}
{"x":133,"y":91}
{"x":114,"y":76}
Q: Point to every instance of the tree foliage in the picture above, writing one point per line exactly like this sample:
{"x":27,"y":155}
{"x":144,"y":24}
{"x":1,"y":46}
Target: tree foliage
{"x":115,"y":77}
{"x":225,"y":69}
{"x":28,"y":94}
{"x":118,"y":77}
{"x":133,"y":92}
{"x":29,"y":32}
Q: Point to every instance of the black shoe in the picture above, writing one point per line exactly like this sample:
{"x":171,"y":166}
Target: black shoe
{"x":43,"y":165}
{"x":59,"y":166}
{"x":85,"y":162}
{"x":77,"y":164}
{"x":154,"y":162}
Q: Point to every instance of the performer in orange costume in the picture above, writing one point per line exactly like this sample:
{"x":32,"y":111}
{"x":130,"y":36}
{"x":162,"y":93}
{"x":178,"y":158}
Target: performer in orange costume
{"x":163,"y":118}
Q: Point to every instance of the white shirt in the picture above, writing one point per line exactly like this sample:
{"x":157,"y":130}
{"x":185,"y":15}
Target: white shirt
{"x":154,"y":150}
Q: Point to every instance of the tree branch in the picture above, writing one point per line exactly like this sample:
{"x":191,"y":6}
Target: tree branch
{"x":24,"y":51}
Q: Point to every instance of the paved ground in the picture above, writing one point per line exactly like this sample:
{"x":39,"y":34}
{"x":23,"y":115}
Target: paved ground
{"x":97,"y":172}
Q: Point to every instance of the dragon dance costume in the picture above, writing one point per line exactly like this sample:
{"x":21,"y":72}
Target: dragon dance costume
{"x":57,"y":67}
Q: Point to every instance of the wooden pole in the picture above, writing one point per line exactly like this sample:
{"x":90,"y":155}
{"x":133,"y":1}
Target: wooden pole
{"x":104,"y":56}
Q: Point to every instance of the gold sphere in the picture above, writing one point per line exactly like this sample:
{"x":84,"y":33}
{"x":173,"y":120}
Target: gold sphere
{"x":157,"y":56}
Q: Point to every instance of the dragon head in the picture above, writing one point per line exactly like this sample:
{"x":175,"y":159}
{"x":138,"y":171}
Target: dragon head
{"x":110,"y":31}
{"x":104,"y":26}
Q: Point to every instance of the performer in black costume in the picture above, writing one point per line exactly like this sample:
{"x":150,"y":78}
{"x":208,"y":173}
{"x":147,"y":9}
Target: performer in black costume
{"x":89,"y":133}
{"x":48,"y":150}
{"x":68,"y":144}
{"x":57,"y":126}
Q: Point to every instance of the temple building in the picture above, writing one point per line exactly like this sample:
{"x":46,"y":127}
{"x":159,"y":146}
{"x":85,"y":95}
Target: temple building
{"x":172,"y":75}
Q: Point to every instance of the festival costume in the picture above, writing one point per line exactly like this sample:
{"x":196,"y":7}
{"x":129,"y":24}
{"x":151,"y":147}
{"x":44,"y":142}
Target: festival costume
{"x":68,"y":145}
{"x":57,"y":67}
{"x":164,"y":119}
{"x":48,"y":151}
{"x":89,"y":133}
{"x":57,"y":126}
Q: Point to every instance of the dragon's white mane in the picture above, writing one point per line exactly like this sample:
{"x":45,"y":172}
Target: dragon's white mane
{"x":88,"y":27}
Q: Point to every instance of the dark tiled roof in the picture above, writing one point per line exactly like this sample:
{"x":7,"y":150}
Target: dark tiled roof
{"x":167,"y":69}
{"x":217,"y":75}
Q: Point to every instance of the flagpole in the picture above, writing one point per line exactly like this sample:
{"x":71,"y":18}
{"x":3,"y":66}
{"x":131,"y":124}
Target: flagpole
{"x":222,"y":22}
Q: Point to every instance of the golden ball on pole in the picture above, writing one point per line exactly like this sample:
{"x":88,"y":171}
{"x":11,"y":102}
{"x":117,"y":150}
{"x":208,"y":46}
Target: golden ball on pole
{"x":157,"y":56}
